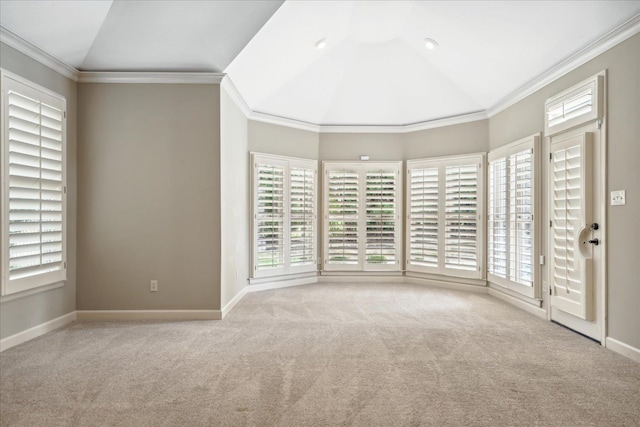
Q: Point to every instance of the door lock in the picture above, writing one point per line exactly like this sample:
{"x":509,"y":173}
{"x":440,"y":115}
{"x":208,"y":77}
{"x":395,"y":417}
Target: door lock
{"x":595,"y":242}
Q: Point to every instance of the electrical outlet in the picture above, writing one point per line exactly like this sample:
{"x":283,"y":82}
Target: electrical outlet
{"x":618,"y":198}
{"x":154,"y":286}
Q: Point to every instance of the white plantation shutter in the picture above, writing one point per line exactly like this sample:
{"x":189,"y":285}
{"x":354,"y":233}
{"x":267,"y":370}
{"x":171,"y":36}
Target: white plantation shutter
{"x":34,"y":199}
{"x":571,"y":258}
{"x":521,"y":217}
{"x":461,"y":217}
{"x":270,"y":226}
{"x":445,"y":202}
{"x":302,"y":201}
{"x":284,"y":215}
{"x":512,"y":244}
{"x":381,"y":216}
{"x":579,"y":104}
{"x":498,"y":218}
{"x":343,"y":217}
{"x":362,"y":216}
{"x":423,"y":200}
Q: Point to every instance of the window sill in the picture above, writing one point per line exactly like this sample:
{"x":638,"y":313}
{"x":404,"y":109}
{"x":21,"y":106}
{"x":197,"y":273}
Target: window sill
{"x":32,"y":291}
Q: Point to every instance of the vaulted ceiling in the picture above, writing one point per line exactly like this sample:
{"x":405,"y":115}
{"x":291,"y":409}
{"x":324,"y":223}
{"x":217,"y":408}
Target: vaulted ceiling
{"x":374,"y":68}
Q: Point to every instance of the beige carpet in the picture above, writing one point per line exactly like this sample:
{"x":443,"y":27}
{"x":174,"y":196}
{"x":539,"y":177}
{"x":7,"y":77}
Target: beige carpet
{"x":328,"y":354}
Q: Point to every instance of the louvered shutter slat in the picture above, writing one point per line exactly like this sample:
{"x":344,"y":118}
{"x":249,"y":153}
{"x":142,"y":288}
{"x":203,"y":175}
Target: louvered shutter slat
{"x":270,"y":217}
{"x":461,"y":190}
{"x":343,"y":216}
{"x":35,"y":184}
{"x":380,"y":217}
{"x":424,"y":217}
{"x":302,"y":223}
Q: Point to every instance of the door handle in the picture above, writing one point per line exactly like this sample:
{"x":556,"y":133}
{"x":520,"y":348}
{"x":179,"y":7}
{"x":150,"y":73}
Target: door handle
{"x":594,"y":242}
{"x":582,"y":240}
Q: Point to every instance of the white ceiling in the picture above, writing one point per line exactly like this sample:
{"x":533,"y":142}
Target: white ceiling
{"x":374,"y":70}
{"x":130,"y":35}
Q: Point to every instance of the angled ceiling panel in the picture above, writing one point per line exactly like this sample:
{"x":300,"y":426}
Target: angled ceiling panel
{"x":64,"y":29}
{"x":176,"y":35}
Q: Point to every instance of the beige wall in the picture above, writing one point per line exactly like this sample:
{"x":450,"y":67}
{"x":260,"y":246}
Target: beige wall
{"x":623,"y":139}
{"x":149,"y":196}
{"x":464,"y":138}
{"x":282,"y":140}
{"x":23,"y":313}
{"x":350,"y":146}
{"x":234,"y":194}
{"x":20,"y":314}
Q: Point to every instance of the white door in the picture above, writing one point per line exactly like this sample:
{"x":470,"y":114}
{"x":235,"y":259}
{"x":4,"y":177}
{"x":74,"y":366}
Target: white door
{"x":575,"y":244}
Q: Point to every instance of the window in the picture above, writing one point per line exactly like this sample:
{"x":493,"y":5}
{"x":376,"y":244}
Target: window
{"x":34,"y":186}
{"x":575,"y":106}
{"x":512,"y":243}
{"x":444,"y":208}
{"x":284,"y":215}
{"x":362,"y":216}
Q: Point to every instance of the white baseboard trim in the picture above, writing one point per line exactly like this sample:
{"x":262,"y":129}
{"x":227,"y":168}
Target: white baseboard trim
{"x":361,"y":279}
{"x":446,"y":285}
{"x":235,"y":300}
{"x":107,"y":315}
{"x":282,"y":284}
{"x":623,"y":349}
{"x":523,"y":305}
{"x":36,"y":331}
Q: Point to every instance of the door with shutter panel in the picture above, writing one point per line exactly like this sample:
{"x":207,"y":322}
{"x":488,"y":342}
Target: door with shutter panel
{"x":573,"y":186}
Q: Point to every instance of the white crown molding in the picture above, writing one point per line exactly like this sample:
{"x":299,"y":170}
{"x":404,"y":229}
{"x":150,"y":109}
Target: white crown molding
{"x":283,"y":121}
{"x":37,"y":54}
{"x":414,"y":127}
{"x":149,"y":77}
{"x":606,"y":42}
{"x":232,"y":91}
{"x":614,"y":37}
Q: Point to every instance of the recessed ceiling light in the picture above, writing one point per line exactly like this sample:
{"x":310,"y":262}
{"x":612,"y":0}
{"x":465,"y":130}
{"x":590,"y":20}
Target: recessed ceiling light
{"x":320,"y":44}
{"x":430,"y":44}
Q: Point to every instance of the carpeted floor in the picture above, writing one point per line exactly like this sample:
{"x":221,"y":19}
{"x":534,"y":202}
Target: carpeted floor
{"x":327,"y":354}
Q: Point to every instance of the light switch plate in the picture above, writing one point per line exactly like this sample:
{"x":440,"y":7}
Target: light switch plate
{"x":618,"y":198}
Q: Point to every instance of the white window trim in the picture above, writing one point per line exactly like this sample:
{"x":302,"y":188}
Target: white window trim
{"x":287,"y":163}
{"x":362,"y":265}
{"x":441,"y":163}
{"x":596,"y":85}
{"x":532,"y":142}
{"x":43,"y":281}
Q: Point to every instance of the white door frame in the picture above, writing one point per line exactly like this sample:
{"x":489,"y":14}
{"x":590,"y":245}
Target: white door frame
{"x":599,"y":214}
{"x":600,"y":202}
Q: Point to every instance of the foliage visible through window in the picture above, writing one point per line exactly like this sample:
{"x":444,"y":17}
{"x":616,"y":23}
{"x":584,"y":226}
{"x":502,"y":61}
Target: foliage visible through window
{"x":444,"y":203}
{"x":284,"y":213}
{"x":511,"y":239}
{"x":362,"y":216}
